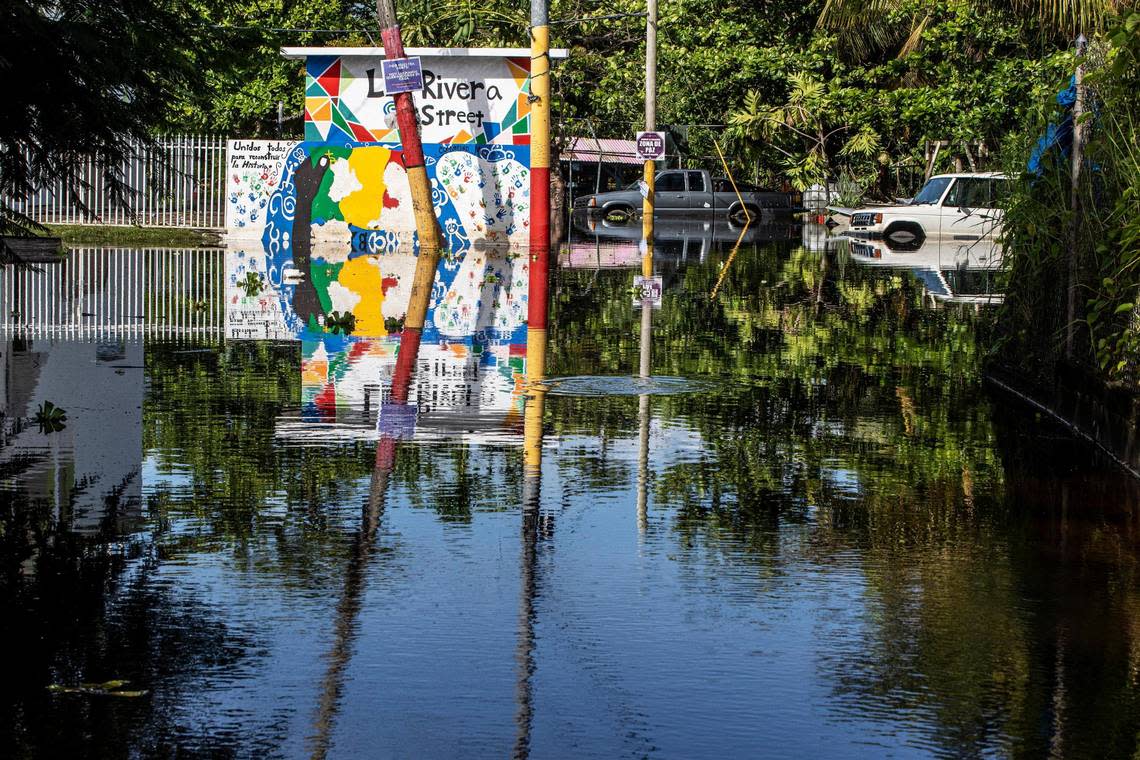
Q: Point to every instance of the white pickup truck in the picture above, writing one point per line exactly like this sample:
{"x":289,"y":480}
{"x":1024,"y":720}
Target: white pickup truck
{"x":948,"y":207}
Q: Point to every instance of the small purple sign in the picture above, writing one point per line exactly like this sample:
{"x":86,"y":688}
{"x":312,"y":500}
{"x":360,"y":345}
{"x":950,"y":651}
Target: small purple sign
{"x":402,"y":75}
{"x":650,"y":145}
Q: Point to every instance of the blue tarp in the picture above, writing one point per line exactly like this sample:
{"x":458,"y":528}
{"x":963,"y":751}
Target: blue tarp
{"x":1056,"y":135}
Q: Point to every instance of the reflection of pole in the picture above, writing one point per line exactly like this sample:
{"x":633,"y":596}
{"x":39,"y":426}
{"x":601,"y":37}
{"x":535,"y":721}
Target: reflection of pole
{"x":644,"y":371}
{"x":650,"y":114}
{"x":427,"y":227}
{"x":643,"y":463}
{"x":349,"y":607}
{"x":532,"y":480}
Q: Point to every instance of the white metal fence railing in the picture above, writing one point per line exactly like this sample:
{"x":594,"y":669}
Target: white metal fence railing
{"x":120,"y":292}
{"x":178,"y":182}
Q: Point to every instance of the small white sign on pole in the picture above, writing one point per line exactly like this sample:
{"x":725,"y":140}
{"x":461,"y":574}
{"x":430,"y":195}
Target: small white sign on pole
{"x":646,"y":290}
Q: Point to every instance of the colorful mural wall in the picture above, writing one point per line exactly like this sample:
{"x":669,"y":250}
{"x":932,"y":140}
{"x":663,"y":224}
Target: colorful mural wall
{"x":330,"y":218}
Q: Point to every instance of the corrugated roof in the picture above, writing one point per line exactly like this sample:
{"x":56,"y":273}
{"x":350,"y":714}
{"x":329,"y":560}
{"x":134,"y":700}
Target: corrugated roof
{"x":603,"y":150}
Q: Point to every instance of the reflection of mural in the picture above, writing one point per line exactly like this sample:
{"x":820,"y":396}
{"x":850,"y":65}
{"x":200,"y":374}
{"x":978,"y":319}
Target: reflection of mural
{"x":252,"y":313}
{"x":339,"y":216}
{"x":462,"y":387}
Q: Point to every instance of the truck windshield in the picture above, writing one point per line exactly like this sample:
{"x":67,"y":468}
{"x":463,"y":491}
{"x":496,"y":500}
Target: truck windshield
{"x":932,"y":191}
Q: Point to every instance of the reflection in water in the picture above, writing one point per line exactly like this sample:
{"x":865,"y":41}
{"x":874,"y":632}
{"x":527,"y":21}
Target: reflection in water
{"x":853,"y":551}
{"x":951,"y":271}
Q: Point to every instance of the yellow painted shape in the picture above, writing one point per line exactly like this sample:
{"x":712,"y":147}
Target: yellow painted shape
{"x":312,"y":105}
{"x":363,"y":277}
{"x":520,"y":74}
{"x":314,"y":372}
{"x":362,"y":207}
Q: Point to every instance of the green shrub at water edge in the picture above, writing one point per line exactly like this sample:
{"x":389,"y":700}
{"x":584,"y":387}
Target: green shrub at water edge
{"x":1041,"y":232}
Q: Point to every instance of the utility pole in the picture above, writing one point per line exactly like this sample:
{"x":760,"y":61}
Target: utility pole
{"x":1075,"y":198}
{"x":537,"y":288}
{"x":427,"y":226}
{"x":650,"y":126}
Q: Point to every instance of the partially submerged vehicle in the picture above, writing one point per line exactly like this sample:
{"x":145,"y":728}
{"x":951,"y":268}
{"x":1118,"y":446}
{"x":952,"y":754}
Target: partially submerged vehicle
{"x":691,"y":192}
{"x":948,"y":207}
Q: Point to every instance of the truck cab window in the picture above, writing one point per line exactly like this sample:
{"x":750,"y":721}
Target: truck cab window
{"x":670,"y":182}
{"x":696,"y":182}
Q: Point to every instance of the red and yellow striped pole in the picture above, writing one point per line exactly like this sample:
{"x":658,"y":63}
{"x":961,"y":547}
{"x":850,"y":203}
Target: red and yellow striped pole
{"x":427,"y":226}
{"x":537,"y":292}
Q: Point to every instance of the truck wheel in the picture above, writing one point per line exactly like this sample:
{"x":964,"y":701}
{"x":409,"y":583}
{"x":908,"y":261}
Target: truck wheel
{"x":618,"y":213}
{"x":736,"y":215}
{"x":905,"y":236}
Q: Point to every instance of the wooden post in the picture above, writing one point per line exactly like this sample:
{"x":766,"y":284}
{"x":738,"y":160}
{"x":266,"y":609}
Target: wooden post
{"x":427,"y":227}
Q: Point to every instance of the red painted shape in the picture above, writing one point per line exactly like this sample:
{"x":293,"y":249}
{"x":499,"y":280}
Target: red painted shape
{"x":389,"y":201}
{"x":539,"y":247}
{"x":325,"y":401}
{"x":330,"y":79}
{"x":388,"y":282}
{"x":522,"y":63}
{"x":361,"y":133}
{"x":522,"y":140}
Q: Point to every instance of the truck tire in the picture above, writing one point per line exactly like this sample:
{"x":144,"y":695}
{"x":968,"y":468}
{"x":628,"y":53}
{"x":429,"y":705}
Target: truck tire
{"x":618,"y":212}
{"x":904,"y":236}
{"x":736,"y":214}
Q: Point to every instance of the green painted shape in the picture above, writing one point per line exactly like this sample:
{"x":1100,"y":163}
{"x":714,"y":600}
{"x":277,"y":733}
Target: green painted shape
{"x":340,"y":121}
{"x":331,"y":151}
{"x":325,"y":209}
{"x":521,"y":127}
{"x":313,"y":89}
{"x":512,"y":114}
{"x":481,"y":139}
{"x":324,"y":274}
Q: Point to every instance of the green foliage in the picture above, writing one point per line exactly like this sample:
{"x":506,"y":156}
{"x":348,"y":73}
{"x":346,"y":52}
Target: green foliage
{"x":82,"y":81}
{"x":1101,"y":238}
{"x":252,"y":284}
{"x":339,"y":323}
{"x":50,"y":418}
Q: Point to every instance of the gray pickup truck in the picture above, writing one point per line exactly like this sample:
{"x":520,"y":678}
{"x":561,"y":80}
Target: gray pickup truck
{"x":688,"y":191}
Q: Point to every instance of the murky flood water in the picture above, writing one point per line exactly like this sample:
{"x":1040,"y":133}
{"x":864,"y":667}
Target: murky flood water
{"x":817,"y":535}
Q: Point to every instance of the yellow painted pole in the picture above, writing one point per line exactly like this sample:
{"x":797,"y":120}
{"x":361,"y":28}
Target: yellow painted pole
{"x":539,"y":280}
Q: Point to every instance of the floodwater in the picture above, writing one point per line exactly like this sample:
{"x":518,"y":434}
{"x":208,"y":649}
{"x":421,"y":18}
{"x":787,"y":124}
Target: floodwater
{"x":812,"y":533}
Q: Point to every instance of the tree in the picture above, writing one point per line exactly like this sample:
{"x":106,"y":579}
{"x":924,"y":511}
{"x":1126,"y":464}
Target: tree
{"x":82,"y":80}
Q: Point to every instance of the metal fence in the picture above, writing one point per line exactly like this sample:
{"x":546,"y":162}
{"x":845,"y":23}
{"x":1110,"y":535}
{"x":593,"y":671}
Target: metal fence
{"x":122,"y":292}
{"x":177,"y":182}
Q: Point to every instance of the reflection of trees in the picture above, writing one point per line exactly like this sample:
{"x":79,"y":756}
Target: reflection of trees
{"x":87,"y":609}
{"x":848,"y":420}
